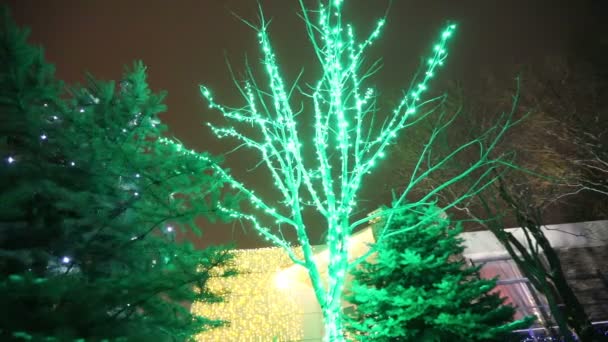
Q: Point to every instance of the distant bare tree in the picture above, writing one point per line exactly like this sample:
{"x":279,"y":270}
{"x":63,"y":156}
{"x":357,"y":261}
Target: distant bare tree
{"x":562,"y":146}
{"x":574,"y":95}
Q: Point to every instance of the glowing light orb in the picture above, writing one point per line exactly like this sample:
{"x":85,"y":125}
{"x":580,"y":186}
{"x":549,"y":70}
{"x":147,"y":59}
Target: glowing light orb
{"x":281,"y":280}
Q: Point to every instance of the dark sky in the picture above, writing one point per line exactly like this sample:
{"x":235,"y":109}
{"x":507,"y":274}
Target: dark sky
{"x":184,"y":43}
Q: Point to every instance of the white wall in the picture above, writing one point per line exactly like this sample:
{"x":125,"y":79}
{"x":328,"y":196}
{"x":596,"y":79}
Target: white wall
{"x":483,"y":244}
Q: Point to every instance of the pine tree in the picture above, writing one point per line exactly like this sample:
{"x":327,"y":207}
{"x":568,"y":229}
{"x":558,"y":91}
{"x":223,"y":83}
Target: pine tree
{"x":419,"y":288}
{"x":90,"y":200}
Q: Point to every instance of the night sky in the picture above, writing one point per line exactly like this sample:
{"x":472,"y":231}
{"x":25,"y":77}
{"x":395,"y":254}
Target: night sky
{"x":185,"y":42}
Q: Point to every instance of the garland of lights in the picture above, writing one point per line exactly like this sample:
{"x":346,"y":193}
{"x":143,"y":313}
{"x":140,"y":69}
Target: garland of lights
{"x":256,"y":305}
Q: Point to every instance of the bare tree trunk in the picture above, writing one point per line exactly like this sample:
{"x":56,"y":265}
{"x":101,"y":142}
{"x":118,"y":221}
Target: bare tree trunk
{"x":530,"y":263}
{"x":332,"y":319}
{"x":547,"y":277}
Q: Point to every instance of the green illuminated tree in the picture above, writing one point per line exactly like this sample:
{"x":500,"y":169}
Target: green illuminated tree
{"x":89,"y":201}
{"x":419,"y":288}
{"x":322,"y":173}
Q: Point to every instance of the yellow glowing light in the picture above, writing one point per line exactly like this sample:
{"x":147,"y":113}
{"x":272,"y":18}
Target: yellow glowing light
{"x":281,"y":280}
{"x":272,"y":298}
{"x":258,"y":305}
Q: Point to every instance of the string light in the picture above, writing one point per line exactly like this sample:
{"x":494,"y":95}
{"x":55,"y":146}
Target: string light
{"x":65,"y":260}
{"x":257,"y":309}
{"x":10,"y":160}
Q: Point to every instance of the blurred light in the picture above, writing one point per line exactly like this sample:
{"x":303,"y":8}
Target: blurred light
{"x":281,"y":280}
{"x":254,"y":305}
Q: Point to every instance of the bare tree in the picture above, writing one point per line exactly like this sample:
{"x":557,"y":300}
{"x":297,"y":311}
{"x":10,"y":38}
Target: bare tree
{"x":573,"y":93}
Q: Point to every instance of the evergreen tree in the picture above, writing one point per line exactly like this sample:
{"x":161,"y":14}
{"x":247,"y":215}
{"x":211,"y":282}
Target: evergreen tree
{"x":89,"y":200}
{"x":419,"y":288}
